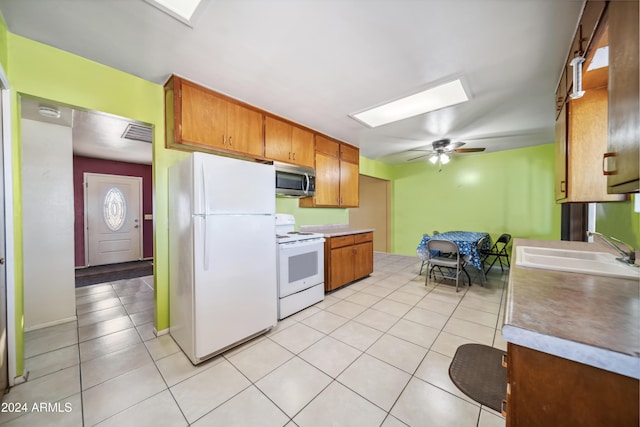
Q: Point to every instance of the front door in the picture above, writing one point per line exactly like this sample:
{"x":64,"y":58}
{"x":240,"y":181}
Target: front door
{"x":113,"y":212}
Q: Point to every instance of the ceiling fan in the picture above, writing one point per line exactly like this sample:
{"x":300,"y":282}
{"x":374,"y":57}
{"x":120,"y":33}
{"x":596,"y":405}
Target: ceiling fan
{"x":441,"y":149}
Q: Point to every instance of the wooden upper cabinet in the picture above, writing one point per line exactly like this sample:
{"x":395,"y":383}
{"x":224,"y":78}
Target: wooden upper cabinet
{"x":288,"y":143}
{"x":624,"y":106}
{"x":337,"y":175}
{"x":244,"y":130}
{"x":581,"y":123}
{"x":327,"y":146}
{"x":349,"y":153}
{"x":587,"y":135}
{"x":349,"y":184}
{"x":202,"y":119}
{"x":561,"y":154}
{"x":327,"y":182}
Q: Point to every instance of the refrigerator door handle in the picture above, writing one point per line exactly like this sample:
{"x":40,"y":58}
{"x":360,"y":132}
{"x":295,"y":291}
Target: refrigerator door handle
{"x":205,"y":252}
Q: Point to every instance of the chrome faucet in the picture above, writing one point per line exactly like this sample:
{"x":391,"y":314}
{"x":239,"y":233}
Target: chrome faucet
{"x":627,"y":258}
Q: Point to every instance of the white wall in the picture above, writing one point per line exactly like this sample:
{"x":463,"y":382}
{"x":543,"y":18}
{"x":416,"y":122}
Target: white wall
{"x":47,"y":224}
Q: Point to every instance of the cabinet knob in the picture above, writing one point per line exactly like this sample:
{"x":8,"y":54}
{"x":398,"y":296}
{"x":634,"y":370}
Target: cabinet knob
{"x":230,"y":140}
{"x":504,"y":360}
{"x":609,"y":164}
{"x":503,"y":408}
{"x":563,"y":186}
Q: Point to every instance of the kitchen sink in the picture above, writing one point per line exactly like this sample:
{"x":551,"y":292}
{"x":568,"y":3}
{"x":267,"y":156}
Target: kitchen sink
{"x":598,"y":263}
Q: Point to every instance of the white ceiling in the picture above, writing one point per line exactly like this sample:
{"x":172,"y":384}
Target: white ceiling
{"x":317,"y":61}
{"x":93,"y":134}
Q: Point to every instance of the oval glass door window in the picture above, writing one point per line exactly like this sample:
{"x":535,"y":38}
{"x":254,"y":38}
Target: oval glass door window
{"x":115,"y":209}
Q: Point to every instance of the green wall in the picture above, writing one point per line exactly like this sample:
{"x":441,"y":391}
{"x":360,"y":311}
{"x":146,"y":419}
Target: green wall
{"x":505,"y":192}
{"x":48,"y":73}
{"x":618,"y":219}
{"x":4,"y":55}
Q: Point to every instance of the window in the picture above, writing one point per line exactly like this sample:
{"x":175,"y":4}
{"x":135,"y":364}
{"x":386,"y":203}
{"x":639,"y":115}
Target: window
{"x":115,"y":209}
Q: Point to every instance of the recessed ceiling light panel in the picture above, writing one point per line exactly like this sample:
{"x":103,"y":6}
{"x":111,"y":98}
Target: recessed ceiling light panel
{"x":441,"y":96}
{"x":185,"y":11}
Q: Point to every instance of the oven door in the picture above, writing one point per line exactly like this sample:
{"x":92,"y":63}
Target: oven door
{"x":300,"y":265}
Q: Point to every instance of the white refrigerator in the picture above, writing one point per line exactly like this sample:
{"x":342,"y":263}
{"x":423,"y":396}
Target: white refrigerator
{"x":222,"y":253}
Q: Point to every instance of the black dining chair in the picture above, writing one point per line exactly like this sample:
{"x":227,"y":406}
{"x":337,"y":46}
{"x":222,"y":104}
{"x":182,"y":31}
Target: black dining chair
{"x":449,"y":267}
{"x":499,"y":251}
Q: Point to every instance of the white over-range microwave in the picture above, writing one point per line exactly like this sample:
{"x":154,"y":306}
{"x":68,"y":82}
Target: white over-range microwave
{"x":295,"y":181}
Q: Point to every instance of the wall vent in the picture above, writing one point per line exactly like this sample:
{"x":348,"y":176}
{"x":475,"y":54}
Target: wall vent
{"x":138,"y":133}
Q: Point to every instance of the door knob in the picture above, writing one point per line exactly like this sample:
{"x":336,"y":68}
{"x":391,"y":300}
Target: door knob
{"x":1,"y":260}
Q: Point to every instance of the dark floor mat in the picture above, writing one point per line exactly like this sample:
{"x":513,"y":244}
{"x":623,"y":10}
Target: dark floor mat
{"x":112,"y":272}
{"x":477,"y":370}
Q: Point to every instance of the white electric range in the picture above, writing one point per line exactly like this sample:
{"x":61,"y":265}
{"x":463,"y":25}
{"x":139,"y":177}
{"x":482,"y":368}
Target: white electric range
{"x":300,"y":267}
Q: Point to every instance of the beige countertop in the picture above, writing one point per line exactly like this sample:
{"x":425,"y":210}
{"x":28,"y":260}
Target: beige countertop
{"x":334,"y":230}
{"x":590,"y":319}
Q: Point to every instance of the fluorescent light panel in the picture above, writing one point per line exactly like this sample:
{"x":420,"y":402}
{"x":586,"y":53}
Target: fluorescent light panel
{"x":182,"y":10}
{"x":445,"y":95}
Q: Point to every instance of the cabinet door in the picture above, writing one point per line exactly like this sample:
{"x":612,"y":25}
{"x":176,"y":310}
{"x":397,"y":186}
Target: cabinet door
{"x":363,"y":261}
{"x":348,"y":184}
{"x":349,"y":153}
{"x":302,"y":147}
{"x":277,"y":142}
{"x":624,"y":120}
{"x":561,"y":154}
{"x":244,"y":130}
{"x":327,"y":180}
{"x":204,"y":117}
{"x":327,"y":146}
{"x":587,"y":145}
{"x":341,"y":266}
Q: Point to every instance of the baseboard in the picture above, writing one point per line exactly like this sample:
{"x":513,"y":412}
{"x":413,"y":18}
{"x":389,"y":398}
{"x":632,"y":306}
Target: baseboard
{"x":160,"y":333}
{"x":21,"y":379}
{"x":54,"y":323}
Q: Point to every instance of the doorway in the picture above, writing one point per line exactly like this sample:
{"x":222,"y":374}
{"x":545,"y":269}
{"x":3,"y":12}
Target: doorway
{"x":4,"y":371}
{"x":374,"y":211}
{"x":113,"y":213}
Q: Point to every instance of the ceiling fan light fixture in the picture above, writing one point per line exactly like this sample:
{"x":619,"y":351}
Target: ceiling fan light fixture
{"x":435,"y":98}
{"x":433,"y":159}
{"x":444,"y":158}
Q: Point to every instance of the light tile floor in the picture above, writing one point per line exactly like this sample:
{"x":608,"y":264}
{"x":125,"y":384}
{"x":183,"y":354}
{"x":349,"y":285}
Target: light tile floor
{"x":374,"y":353}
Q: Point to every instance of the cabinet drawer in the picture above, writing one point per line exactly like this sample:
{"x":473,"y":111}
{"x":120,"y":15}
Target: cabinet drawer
{"x":338,"y":242}
{"x":363,"y":237}
{"x":327,"y":146}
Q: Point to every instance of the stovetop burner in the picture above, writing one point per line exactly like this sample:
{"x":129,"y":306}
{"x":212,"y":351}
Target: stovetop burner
{"x":301,"y":233}
{"x":280,"y":236}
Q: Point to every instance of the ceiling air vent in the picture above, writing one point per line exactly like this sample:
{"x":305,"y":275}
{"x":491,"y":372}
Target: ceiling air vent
{"x":138,"y":132}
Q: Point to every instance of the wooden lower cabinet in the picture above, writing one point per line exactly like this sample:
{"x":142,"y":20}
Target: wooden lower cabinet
{"x":347,"y":258}
{"x":546,"y":390}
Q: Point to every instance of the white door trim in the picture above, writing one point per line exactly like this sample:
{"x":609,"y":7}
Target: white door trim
{"x":7,"y":145}
{"x":86,"y":212}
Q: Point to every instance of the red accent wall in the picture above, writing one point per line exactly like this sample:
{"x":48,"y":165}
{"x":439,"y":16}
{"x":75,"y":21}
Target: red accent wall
{"x":86,"y":164}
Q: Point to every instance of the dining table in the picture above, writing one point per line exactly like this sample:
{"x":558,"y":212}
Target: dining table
{"x":467,"y":242}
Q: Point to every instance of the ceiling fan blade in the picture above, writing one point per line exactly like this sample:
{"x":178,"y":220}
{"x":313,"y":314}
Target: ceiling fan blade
{"x":419,"y":157}
{"x":427,"y":150}
{"x":469,"y":150}
{"x":452,"y":146}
